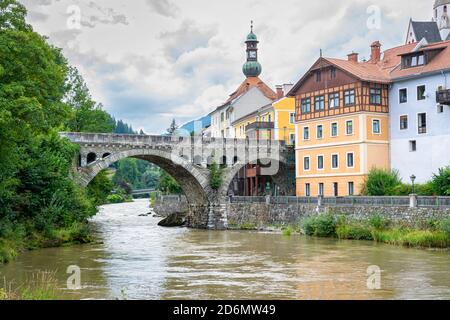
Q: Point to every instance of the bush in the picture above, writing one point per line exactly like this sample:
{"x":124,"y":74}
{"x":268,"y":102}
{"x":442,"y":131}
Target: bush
{"x":381,"y":182}
{"x":420,"y":189}
{"x":319,"y":226}
{"x":115,"y":198}
{"x":289,"y":230}
{"x":377,"y":222}
{"x":441,"y":182}
{"x":353,"y":231}
{"x":215,"y":176}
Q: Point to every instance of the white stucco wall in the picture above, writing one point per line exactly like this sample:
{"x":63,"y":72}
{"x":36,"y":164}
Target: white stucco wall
{"x":249,"y":102}
{"x":433,"y":148}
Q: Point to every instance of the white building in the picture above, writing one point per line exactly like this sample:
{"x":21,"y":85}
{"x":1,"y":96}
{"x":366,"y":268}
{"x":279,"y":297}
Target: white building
{"x":420,"y":110}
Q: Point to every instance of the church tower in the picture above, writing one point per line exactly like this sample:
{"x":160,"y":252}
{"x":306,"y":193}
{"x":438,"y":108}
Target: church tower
{"x":441,"y":9}
{"x":252,"y":68}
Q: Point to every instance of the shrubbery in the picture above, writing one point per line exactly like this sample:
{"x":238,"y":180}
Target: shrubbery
{"x":381,"y":182}
{"x":319,"y":226}
{"x":429,"y":234}
{"x":441,"y":182}
{"x":215,"y":176}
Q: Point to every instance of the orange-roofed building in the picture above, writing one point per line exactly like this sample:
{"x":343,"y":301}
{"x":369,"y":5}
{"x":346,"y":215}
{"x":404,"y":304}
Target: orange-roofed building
{"x":342,"y":123}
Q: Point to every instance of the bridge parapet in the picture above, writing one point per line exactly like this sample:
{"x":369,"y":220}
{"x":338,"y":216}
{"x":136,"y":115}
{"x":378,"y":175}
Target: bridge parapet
{"x":186,"y":159}
{"x":197,"y":150}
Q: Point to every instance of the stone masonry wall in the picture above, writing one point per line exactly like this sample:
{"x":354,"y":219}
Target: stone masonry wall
{"x":261,"y":214}
{"x":166,"y":205}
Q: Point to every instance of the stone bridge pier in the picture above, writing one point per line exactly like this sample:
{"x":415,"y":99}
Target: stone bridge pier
{"x":187,"y":160}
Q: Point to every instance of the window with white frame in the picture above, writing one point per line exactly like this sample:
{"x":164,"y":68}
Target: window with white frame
{"x":306,"y":133}
{"x":349,"y":127}
{"x":321,"y":189}
{"x":306,"y":163}
{"x":292,"y":118}
{"x":403,"y":122}
{"x":334,"y":129}
{"x":351,"y":188}
{"x":350,"y":160}
{"x":320,"y":162}
{"x":319,"y":131}
{"x":335,"y":161}
{"x":403,"y":95}
{"x":376,"y":129}
{"x":307,"y":190}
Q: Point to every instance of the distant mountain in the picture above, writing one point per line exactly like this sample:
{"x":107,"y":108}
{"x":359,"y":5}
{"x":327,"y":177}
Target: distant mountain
{"x":204,"y":122}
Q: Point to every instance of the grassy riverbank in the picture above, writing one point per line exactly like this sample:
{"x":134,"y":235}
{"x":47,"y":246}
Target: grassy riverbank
{"x":428,"y":234}
{"x":20,"y":239}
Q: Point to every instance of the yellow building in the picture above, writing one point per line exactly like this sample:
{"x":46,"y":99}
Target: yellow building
{"x":342,"y":125}
{"x":275,"y":121}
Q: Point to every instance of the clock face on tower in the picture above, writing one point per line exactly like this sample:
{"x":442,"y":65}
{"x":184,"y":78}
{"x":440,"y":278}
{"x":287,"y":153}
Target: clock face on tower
{"x":252,"y":54}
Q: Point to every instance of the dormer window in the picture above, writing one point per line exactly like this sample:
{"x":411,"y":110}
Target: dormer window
{"x":412,"y":61}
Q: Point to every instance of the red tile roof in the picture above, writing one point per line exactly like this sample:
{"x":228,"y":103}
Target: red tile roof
{"x":249,"y":83}
{"x":388,"y":69}
{"x":440,"y":62}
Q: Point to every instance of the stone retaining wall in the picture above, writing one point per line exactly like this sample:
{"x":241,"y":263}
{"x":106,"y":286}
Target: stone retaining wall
{"x":261,"y":214}
{"x":166,"y":205}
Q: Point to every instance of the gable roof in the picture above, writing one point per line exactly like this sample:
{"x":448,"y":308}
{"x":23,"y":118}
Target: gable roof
{"x":440,"y":62}
{"x":364,"y":71}
{"x":249,"y":83}
{"x":379,"y":72}
{"x":426,"y":29}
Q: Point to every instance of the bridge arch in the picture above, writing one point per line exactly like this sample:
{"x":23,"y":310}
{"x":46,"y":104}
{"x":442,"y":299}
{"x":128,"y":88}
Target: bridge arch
{"x":280,"y":176}
{"x":191,"y":178}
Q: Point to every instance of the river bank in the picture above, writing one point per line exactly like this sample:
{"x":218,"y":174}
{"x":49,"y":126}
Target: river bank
{"x":426,"y":234}
{"x":19,"y":240}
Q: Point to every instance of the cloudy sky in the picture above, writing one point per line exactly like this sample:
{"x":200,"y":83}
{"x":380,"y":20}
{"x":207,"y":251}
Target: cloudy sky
{"x":149,"y":61}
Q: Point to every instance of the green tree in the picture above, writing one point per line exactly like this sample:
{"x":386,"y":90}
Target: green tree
{"x":441,"y":182}
{"x":36,"y":188}
{"x":173,"y":127}
{"x":127,"y":171}
{"x":168,"y":185}
{"x":12,"y":16}
{"x":100,"y":188}
{"x":87,"y":115}
{"x":381,"y":182}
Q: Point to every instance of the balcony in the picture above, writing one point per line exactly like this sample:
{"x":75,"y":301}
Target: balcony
{"x":443,"y":96}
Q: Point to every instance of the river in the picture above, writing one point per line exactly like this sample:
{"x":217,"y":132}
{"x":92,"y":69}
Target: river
{"x":136,"y":259}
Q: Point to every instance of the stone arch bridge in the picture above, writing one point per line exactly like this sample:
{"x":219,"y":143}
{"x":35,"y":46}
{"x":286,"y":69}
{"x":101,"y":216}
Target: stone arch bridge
{"x":186,"y":159}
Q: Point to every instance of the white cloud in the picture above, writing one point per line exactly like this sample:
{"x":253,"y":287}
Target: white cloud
{"x":151,"y":60}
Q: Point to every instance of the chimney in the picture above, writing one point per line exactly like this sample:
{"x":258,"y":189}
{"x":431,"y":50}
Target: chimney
{"x":287,"y":87}
{"x":353,"y":57}
{"x":375,"y":56}
{"x":280,"y":92}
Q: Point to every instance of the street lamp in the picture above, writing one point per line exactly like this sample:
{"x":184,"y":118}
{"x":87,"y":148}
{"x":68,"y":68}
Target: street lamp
{"x":413,"y":178}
